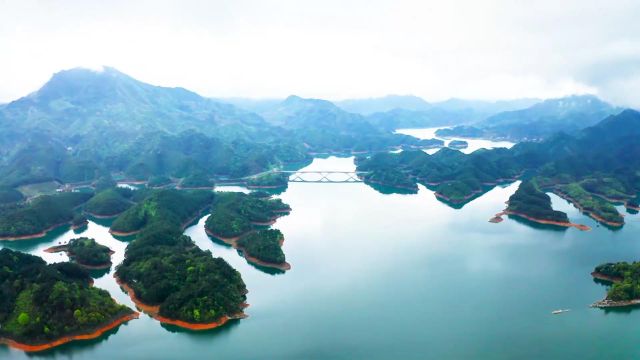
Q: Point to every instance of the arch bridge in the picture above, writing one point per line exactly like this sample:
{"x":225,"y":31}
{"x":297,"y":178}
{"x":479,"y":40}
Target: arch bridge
{"x":323,"y":176}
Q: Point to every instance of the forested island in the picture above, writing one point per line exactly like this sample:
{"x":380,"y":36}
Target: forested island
{"x":264,"y":248}
{"x":531,"y":203}
{"x":188,"y":286}
{"x":43,"y":306}
{"x":33,"y":219}
{"x":86,"y":252}
{"x":593,"y":169}
{"x":233,"y":219}
{"x":456,"y":177}
{"x":625,"y":284}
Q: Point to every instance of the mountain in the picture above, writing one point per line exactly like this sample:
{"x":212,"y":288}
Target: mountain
{"x":383,"y":104}
{"x":485,"y":106}
{"x":405,"y":119}
{"x":396,"y":112}
{"x":568,"y":114}
{"x":593,"y":168}
{"x":252,"y":105}
{"x":83,"y":124}
{"x":80,"y":100}
{"x":324,"y":127}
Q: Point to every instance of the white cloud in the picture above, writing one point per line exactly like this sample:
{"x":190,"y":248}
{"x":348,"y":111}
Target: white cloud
{"x":332,"y":49}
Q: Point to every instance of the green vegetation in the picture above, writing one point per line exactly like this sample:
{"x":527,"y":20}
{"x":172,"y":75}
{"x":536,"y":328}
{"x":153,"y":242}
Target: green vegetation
{"x":173,"y":207}
{"x":628,"y":286}
{"x":109,"y":202}
{"x":269,"y":180}
{"x":9,"y":195}
{"x":87,"y":251}
{"x":529,"y":200}
{"x":79,"y":220}
{"x":264,"y":245}
{"x":542,"y":120}
{"x":104,"y":183}
{"x":197,"y":180}
{"x":41,"y":302}
{"x":158,"y":181}
{"x":599,"y":161}
{"x":233,"y":212}
{"x":455,"y":176}
{"x":40,"y":214}
{"x":592,"y":204}
{"x":608,"y":187}
{"x":166,"y":268}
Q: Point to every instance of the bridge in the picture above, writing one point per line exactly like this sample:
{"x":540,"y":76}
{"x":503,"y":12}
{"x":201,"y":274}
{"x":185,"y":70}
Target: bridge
{"x":323,"y":176}
{"x":314,"y":176}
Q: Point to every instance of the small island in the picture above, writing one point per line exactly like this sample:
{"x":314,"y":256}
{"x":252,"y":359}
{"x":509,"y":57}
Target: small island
{"x":458,"y":144}
{"x":235,"y":218}
{"x":625,"y":286}
{"x":188,"y":288}
{"x":532,"y":204}
{"x":264,"y":248}
{"x":44,"y":306}
{"x":86,"y":252}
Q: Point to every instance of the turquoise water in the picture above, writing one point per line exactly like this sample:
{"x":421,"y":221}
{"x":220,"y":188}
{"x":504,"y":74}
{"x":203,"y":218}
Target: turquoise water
{"x":395,"y":276}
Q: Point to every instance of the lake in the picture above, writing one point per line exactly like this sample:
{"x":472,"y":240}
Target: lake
{"x":474,"y":144}
{"x":394,"y":277}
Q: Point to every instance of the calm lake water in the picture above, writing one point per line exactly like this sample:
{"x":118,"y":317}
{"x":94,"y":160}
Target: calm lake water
{"x":395,"y":277}
{"x":474,"y":144}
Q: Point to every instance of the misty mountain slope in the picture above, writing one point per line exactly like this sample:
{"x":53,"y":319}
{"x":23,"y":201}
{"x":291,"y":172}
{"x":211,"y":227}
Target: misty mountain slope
{"x":383,"y":104}
{"x":79,"y":100}
{"x":568,"y":114}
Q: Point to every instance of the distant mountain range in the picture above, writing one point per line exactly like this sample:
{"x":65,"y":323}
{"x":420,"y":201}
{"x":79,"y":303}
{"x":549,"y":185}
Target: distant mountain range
{"x":539,"y":121}
{"x":83,"y":124}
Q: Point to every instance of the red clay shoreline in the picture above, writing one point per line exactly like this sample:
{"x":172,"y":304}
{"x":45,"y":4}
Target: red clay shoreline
{"x":65,"y":339}
{"x":183,"y":225}
{"x":537,"y":220}
{"x":606,"y":303}
{"x":233,"y":241}
{"x":583,"y":210}
{"x":604,"y":277}
{"x":65,"y":248}
{"x":153,"y":310}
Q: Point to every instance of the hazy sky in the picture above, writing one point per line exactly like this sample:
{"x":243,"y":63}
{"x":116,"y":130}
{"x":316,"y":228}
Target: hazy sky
{"x":333,"y":48}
